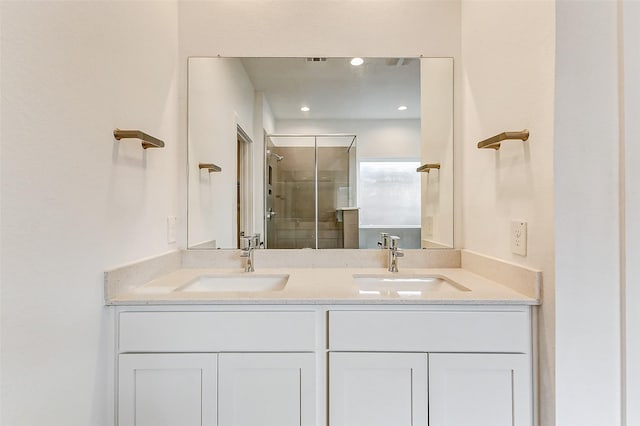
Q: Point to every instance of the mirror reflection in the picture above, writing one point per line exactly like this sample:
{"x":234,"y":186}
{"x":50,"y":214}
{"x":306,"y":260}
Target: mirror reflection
{"x":311,"y":191}
{"x":320,"y":153}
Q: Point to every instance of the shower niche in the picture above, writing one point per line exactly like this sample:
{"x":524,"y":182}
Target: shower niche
{"x":310,"y":191}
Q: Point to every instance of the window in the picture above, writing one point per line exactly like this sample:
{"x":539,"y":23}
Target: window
{"x":389,"y":193}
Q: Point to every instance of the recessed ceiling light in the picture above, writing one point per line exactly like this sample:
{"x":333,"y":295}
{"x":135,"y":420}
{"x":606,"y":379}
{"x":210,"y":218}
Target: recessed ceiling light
{"x":402,"y":108}
{"x":305,"y":109}
{"x":357,"y":62}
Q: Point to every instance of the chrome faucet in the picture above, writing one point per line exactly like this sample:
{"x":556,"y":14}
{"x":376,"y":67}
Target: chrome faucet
{"x":247,"y":245}
{"x":394,"y":253}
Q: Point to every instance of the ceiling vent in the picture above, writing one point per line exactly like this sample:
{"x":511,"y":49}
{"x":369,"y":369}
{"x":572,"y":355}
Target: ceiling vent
{"x":316,"y":59}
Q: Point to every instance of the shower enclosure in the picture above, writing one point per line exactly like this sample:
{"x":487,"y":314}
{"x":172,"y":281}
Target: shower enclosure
{"x":310,"y":184}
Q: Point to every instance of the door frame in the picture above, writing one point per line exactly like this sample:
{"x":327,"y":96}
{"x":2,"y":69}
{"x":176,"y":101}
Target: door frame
{"x":244,"y":179}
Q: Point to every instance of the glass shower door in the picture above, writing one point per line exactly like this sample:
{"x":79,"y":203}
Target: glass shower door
{"x":290,"y":193}
{"x":334,"y":194}
{"x":308,"y":183}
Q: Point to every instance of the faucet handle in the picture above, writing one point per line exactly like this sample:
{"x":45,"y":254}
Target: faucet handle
{"x":246,"y":242}
{"x":384,"y":240}
{"x":393,"y":242}
{"x":249,"y":241}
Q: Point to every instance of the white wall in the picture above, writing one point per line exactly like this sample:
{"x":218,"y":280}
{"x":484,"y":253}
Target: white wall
{"x":403,"y":28}
{"x":221,"y":97}
{"x":74,"y":201}
{"x":631,"y":93}
{"x":597,"y":270}
{"x":588,"y":226}
{"x":436,"y":186}
{"x":507,"y":84}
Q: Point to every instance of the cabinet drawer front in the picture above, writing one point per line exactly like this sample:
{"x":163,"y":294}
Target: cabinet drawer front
{"x":441,"y":331}
{"x":216,"y":331}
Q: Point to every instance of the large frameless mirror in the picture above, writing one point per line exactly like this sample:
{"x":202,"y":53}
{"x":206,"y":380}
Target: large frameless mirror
{"x":319,"y":152}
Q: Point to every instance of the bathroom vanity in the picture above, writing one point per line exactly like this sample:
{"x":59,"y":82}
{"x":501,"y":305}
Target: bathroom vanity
{"x":326,"y":349}
{"x":298,"y":365}
{"x":285,"y":365}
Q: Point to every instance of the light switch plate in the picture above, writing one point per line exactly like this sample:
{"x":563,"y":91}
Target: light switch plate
{"x":428,"y":225}
{"x":171,"y":229}
{"x":519,"y":237}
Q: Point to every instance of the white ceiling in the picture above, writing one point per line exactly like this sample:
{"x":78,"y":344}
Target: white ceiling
{"x":335,"y":89}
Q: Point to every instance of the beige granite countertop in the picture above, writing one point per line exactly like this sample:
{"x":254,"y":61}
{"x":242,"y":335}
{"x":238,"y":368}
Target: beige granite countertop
{"x":322,"y":286}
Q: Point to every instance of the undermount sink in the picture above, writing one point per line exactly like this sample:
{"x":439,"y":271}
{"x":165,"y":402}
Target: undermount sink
{"x":403,"y":285}
{"x":245,"y":282}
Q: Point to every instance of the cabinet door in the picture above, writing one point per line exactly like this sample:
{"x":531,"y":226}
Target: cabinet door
{"x":480,"y":390}
{"x":267,"y":389}
{"x":167,"y":390}
{"x":377,"y":389}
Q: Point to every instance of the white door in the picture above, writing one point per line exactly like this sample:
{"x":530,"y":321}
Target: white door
{"x":480,"y":390}
{"x":377,"y":389}
{"x":167,"y":390}
{"x":267,"y":389}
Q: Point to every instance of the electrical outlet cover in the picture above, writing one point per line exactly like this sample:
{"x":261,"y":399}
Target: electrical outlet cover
{"x":519,"y":237}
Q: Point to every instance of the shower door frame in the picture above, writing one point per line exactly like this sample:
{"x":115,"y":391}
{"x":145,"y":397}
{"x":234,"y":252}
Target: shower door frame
{"x":315,"y":137}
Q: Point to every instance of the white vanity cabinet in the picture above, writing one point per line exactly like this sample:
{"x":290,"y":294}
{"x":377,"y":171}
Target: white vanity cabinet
{"x":335,"y":365}
{"x":447,"y":367}
{"x":217,"y":368}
